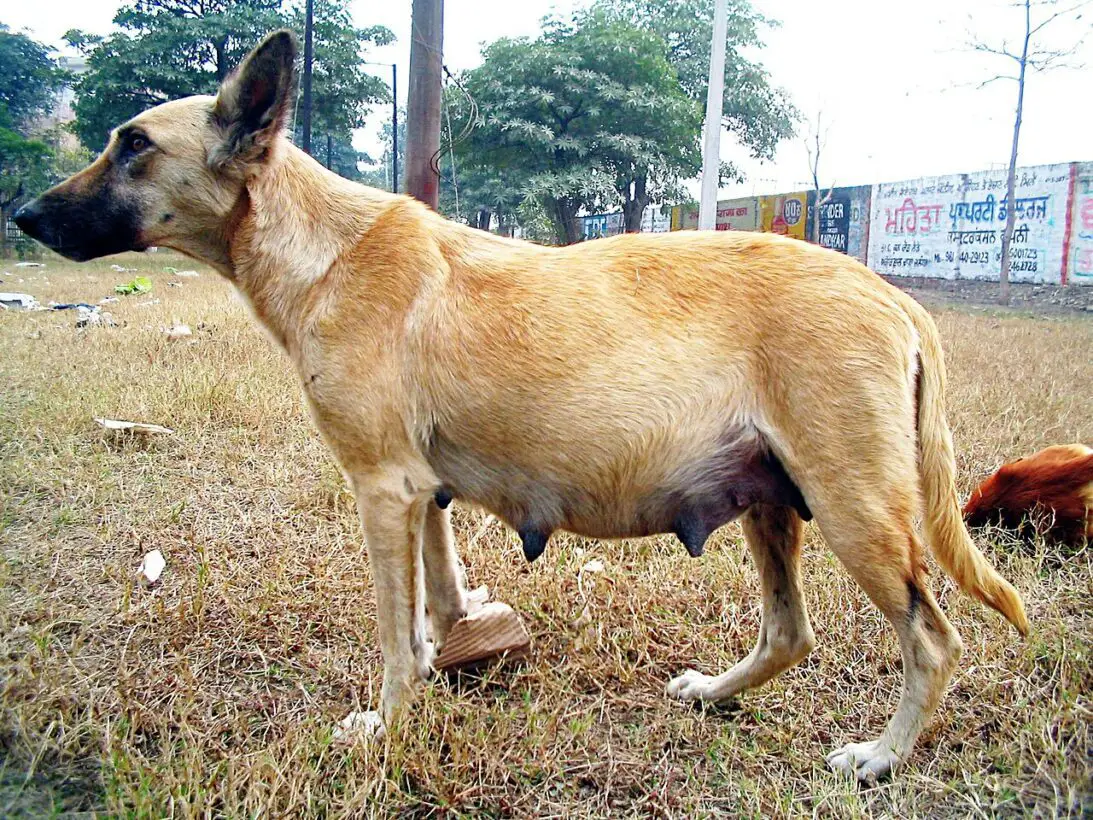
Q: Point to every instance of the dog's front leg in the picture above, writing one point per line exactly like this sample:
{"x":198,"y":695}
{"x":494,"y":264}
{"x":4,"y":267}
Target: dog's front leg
{"x":393,"y":521}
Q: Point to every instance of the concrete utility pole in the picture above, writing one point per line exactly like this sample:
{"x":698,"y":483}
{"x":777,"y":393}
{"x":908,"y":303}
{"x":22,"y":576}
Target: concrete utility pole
{"x":711,"y":144}
{"x":394,"y":128}
{"x":423,"y":104}
{"x":305,"y":104}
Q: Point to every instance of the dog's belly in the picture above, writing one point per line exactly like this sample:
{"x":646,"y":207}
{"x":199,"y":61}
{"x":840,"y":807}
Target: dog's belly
{"x":664,"y":494}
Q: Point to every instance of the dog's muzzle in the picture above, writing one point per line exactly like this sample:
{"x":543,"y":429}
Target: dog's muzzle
{"x":79,"y":230}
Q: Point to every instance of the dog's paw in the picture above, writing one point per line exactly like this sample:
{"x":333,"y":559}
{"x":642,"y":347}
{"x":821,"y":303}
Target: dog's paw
{"x":424,"y":655}
{"x":869,"y":762}
{"x":359,"y":727}
{"x":691,"y":685}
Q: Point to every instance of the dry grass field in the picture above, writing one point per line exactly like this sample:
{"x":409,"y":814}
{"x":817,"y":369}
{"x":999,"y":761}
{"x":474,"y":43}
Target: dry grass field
{"x":214,"y":692}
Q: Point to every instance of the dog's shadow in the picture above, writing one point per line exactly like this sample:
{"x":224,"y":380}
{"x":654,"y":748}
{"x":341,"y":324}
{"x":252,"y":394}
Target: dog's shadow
{"x":726,"y":711}
{"x":492,"y":678}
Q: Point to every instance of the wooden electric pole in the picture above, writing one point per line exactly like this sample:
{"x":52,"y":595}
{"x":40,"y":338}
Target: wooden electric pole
{"x":305,"y":104}
{"x":423,"y":104}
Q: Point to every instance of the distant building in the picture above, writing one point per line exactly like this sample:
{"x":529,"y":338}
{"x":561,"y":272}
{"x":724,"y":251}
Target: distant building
{"x":63,"y":110}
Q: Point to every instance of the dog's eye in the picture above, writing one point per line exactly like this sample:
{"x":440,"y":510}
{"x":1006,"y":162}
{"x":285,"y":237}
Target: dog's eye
{"x":137,"y":143}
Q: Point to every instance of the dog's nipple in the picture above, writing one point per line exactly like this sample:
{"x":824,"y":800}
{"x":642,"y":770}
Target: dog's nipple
{"x":535,"y":542}
{"x":692,"y":532}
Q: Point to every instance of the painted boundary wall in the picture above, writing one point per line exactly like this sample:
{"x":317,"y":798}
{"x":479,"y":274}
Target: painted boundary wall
{"x":600,"y":225}
{"x":732,"y":215}
{"x":1080,"y":249}
{"x":951,"y":227}
{"x":946,"y":227}
{"x":844,"y":218}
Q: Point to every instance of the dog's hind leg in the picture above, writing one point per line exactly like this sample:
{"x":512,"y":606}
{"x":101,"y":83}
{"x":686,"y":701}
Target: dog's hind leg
{"x":773,"y":535}
{"x":883,"y":556}
{"x":444,"y":587}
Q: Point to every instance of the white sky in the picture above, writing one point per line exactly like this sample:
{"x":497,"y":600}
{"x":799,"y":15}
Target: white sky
{"x":895,"y":82}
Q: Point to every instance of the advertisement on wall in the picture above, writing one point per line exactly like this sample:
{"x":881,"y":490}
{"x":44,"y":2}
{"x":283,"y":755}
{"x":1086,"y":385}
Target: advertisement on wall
{"x":784,"y":214}
{"x":951,"y":226}
{"x":1080,"y":252}
{"x":732,"y":215}
{"x":843,"y":214}
{"x":601,"y":225}
{"x":653,"y":220}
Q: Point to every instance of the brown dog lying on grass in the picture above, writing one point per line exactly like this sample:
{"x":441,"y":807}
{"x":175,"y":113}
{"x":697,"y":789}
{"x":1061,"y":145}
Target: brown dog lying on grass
{"x":620,"y":388}
{"x":1053,"y":488}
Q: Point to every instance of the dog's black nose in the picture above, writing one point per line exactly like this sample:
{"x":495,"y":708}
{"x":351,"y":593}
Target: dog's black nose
{"x":28,"y":217}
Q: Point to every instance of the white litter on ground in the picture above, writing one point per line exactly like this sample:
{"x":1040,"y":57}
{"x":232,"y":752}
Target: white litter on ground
{"x":152,"y":566}
{"x":175,"y":332}
{"x":358,"y":726}
{"x":19,"y":301}
{"x":137,"y":427}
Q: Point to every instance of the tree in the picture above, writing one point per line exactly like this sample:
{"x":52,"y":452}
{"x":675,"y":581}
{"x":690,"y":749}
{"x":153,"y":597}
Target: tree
{"x":342,"y":91}
{"x":814,"y":145}
{"x":530,"y":116}
{"x":167,"y":49}
{"x":653,"y":141}
{"x":28,"y":80}
{"x":24,"y":170}
{"x":476,"y":195}
{"x":1031,"y":57}
{"x":588,"y":115}
{"x":757,"y":113}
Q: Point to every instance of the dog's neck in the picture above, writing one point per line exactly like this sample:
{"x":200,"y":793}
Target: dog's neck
{"x":290,"y":225}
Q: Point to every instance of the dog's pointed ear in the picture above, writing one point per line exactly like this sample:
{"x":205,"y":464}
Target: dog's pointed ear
{"x":254,"y":103}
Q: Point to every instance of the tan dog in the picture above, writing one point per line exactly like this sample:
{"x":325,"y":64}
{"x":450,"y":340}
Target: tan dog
{"x":619,"y":388}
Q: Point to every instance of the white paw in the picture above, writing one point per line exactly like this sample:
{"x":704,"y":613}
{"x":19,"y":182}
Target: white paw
{"x":359,"y":726}
{"x":868,"y":762}
{"x":424,"y":655}
{"x":691,"y":685}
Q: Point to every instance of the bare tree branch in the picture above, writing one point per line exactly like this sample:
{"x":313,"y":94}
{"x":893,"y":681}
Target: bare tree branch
{"x":820,"y":142}
{"x":1060,"y":13}
{"x":1052,"y":63}
{"x":975,"y":44}
{"x":985,"y":83}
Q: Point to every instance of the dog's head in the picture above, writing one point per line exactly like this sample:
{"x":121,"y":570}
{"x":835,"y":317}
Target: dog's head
{"x":173,"y":175}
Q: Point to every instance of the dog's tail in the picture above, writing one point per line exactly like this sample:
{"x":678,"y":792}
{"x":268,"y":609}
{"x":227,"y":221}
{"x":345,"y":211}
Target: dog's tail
{"x":948,"y":537}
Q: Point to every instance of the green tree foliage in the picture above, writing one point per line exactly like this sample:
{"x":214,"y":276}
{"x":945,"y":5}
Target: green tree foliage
{"x":341,"y":89}
{"x":342,"y":92}
{"x":167,"y":49}
{"x":477,"y":195}
{"x":588,"y":115}
{"x":759,"y":114}
{"x":339,"y":155}
{"x":604,"y":110}
{"x":24,"y":171}
{"x":28,"y":80}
